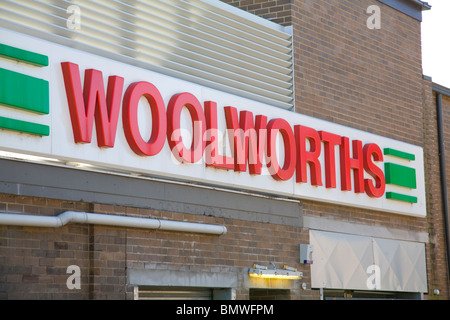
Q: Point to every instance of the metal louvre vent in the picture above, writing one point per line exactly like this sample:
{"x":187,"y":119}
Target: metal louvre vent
{"x":174,"y":293}
{"x":206,"y":42}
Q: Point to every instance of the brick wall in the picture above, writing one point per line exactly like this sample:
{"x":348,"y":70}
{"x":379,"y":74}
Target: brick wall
{"x":278,"y":11}
{"x":245,"y":244}
{"x":438,"y":231}
{"x":436,"y":257}
{"x":349,"y":74}
{"x":446,"y":120}
{"x":355,"y":76}
{"x":34,"y":261}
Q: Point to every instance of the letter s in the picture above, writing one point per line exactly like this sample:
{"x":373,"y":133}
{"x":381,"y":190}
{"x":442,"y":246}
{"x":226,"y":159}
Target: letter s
{"x":373,"y":190}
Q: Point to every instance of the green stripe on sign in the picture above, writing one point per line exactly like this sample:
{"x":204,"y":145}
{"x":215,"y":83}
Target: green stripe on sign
{"x":23,"y":55}
{"x":25,"y":92}
{"x":401,"y":197}
{"x":400,"y":175}
{"x":24,"y":126}
{"x":399,"y":154}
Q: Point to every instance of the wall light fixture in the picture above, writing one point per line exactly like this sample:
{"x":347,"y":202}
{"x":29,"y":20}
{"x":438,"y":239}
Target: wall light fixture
{"x":287,"y":273}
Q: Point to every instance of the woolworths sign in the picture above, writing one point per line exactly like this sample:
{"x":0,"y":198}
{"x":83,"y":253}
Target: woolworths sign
{"x":75,"y":107}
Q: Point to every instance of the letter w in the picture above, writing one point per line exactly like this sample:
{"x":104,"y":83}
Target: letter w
{"x":249,"y":139}
{"x":90,"y":103}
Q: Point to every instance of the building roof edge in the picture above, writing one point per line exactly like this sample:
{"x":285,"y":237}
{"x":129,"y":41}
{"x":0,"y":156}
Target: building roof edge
{"x":441,"y":89}
{"x":423,"y":4}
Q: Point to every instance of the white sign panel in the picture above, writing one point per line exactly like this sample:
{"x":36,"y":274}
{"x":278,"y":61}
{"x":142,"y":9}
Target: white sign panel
{"x":87,"y":109}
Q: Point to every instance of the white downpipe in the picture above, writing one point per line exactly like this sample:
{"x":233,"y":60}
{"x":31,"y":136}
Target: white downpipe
{"x":108,"y":220}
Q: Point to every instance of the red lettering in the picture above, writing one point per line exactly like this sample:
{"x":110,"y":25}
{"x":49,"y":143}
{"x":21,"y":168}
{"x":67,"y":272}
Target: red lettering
{"x":308,"y":157}
{"x":130,"y":119}
{"x":330,"y":140}
{"x":91,"y":103}
{"x":287,"y":171}
{"x":356,"y":164}
{"x":373,"y":190}
{"x":257,"y":145}
{"x":212,"y":135}
{"x":174,"y":108}
{"x":249,"y":139}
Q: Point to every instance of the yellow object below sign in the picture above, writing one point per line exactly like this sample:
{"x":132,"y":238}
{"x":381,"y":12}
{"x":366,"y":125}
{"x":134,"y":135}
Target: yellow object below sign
{"x":275,"y":274}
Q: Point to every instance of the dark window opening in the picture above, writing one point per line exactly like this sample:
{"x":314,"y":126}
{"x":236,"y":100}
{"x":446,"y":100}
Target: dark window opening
{"x":270,"y":294}
{"x":368,"y":295}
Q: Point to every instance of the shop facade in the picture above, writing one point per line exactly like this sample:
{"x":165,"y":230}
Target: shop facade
{"x":220,"y":150}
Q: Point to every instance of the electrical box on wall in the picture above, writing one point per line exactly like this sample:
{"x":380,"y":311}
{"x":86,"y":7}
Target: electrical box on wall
{"x":306,"y":251}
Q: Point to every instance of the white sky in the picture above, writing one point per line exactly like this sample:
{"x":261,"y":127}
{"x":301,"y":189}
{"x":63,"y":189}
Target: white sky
{"x":436,"y":42}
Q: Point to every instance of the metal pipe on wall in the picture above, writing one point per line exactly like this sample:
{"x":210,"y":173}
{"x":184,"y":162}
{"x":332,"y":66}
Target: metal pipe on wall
{"x":109,"y":220}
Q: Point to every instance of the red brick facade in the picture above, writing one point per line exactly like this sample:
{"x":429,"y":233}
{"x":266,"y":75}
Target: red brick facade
{"x":35,"y":260}
{"x":278,"y":11}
